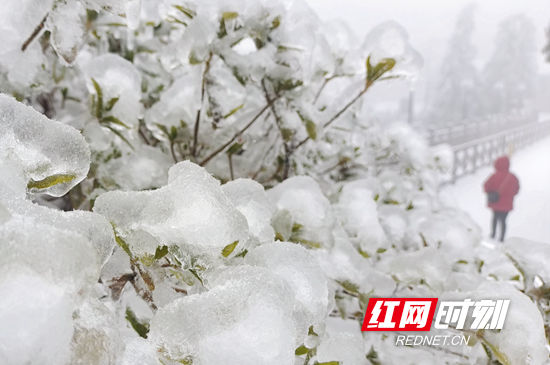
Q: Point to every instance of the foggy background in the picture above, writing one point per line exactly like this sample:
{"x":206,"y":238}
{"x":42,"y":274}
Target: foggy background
{"x":430,"y":25}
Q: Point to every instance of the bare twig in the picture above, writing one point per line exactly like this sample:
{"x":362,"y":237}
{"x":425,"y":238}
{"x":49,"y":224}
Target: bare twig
{"x":237,"y":135}
{"x":142,"y":134}
{"x":346,"y":107}
{"x":198,"y":118}
{"x":34,"y":33}
{"x":230,"y":157}
{"x":279,"y":123}
{"x":318,"y":94}
{"x":255,"y":175}
{"x":173,"y":152}
{"x":338,"y":114}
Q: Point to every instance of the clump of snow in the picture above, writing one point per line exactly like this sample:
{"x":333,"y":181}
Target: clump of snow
{"x":67,"y":29}
{"x":245,"y":318}
{"x":532,"y":257}
{"x":297,"y":267}
{"x":522,"y":339}
{"x":36,"y":317}
{"x":342,"y":342}
{"x":251,"y":200}
{"x":303,"y":199}
{"x":117,"y":78}
{"x":142,"y":169}
{"x":191,"y":211}
{"x":357,"y":212}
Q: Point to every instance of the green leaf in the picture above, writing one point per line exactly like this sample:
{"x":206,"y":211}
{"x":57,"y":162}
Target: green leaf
{"x":376,"y":72}
{"x":188,"y":12}
{"x":302,"y":350}
{"x":160,"y":252}
{"x":228,"y":15}
{"x":372,"y":356}
{"x":391,"y":202}
{"x":287,"y":134}
{"x":120,"y":135}
{"x":311,"y":129}
{"x":296,"y":227}
{"x":229,"y":248}
{"x":122,"y":244}
{"x":307,"y":243}
{"x":193,"y":59}
{"x":196,"y":274}
{"x":163,"y":129}
{"x":327,"y":363}
{"x":288,"y":84}
{"x":142,"y":328}
{"x":311,"y":332}
{"x":381,"y":250}
{"x":186,"y":361}
{"x":276,"y":22}
{"x":99,"y":102}
{"x":242,"y":253}
{"x":91,"y":15}
{"x":235,"y":148}
{"x":233,"y":111}
{"x":50,"y":181}
{"x":364,"y":300}
{"x":369,"y":68}
{"x":113,"y":120}
{"x":349,"y":286}
{"x":365,"y":254}
{"x":173,"y":133}
{"x":111,"y":103}
{"x":147,"y":259}
{"x":480,"y":265}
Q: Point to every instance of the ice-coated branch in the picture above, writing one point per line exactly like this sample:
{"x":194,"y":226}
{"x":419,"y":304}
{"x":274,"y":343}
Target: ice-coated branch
{"x":237,"y":135}
{"x":198,"y":118}
{"x":346,"y":107}
{"x":34,"y":33}
{"x":278,"y":122}
{"x":338,"y":114}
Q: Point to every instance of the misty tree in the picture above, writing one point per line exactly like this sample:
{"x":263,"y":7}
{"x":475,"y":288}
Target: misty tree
{"x":510,"y":74}
{"x":546,"y":49}
{"x":457,"y":97}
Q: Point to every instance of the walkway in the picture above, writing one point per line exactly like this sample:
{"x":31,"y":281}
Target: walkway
{"x":531,"y":216}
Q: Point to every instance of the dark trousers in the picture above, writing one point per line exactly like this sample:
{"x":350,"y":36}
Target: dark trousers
{"x":499,"y":217}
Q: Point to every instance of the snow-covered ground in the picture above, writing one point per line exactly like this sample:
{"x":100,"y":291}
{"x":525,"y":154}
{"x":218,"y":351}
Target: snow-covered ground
{"x":530,"y":218}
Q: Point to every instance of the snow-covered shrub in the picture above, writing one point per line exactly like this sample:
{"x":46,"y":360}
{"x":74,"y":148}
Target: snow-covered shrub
{"x":215,"y":216}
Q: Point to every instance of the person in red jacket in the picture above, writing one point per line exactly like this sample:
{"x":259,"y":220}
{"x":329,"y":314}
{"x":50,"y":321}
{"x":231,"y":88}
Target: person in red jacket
{"x":501,"y":187}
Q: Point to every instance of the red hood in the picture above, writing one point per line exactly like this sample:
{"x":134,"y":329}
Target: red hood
{"x":502,"y":164}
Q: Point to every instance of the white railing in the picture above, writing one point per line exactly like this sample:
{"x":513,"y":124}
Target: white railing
{"x":465,"y":131}
{"x":476,"y":153}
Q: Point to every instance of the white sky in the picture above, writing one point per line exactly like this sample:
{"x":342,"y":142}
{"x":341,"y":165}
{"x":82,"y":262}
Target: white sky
{"x":431,"y":22}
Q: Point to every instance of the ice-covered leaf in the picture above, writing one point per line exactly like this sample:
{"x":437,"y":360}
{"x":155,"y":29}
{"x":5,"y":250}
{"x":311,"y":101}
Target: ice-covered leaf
{"x":222,"y":324}
{"x":191,"y":212}
{"x":52,"y":156}
{"x":65,"y":22}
